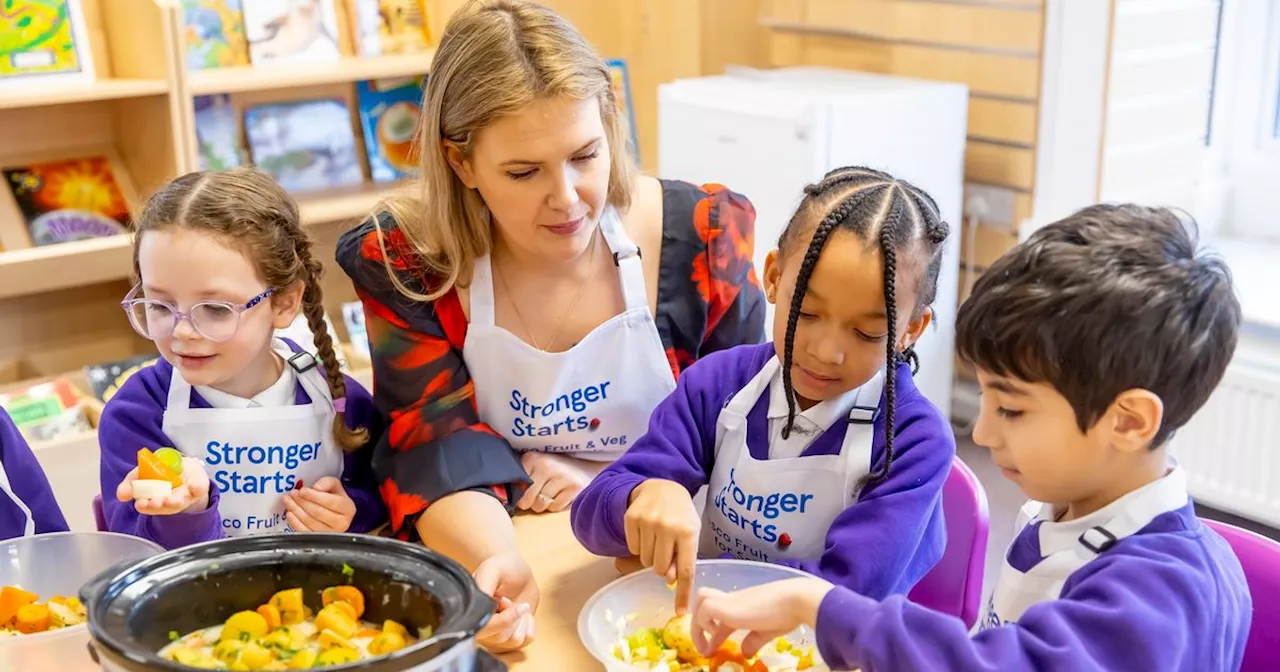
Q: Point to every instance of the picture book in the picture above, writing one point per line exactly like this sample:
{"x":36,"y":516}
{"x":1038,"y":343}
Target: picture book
{"x":391,"y":26}
{"x":622,"y":91}
{"x":41,"y":38}
{"x":214,"y":33}
{"x":389,"y":117}
{"x":69,"y":200}
{"x":291,"y":31}
{"x":105,"y":379}
{"x":217,"y":133}
{"x":353,"y":318}
{"x":304,"y":145}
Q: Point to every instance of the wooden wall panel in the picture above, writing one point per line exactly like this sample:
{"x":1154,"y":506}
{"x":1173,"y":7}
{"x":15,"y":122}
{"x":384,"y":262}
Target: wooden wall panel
{"x":993,"y":119}
{"x":1000,"y":165}
{"x":983,"y":27}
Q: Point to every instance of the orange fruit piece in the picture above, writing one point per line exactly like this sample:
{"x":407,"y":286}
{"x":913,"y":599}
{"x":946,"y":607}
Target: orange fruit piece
{"x":152,"y":468}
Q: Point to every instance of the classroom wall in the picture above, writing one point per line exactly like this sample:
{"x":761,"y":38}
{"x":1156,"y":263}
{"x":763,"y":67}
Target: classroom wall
{"x":992,"y":46}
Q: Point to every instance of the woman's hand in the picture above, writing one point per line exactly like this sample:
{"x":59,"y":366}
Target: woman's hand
{"x":765,"y":612}
{"x":662,"y":528}
{"x":192,"y":495}
{"x":557,"y":480}
{"x":508,"y":579}
{"x":324,"y":507}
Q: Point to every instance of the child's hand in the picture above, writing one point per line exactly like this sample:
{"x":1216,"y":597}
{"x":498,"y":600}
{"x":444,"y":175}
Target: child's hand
{"x":324,"y":507}
{"x":509,"y":580}
{"x":192,"y":495}
{"x":662,"y":528}
{"x":765,"y":612}
{"x":557,"y":480}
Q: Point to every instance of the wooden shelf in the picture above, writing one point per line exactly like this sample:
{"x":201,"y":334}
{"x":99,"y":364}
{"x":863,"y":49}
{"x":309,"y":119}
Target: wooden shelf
{"x":344,"y":204}
{"x":293,"y":75}
{"x":55,"y":93}
{"x":75,"y":264}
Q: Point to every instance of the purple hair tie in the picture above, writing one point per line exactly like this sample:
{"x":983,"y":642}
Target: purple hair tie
{"x":340,"y":404}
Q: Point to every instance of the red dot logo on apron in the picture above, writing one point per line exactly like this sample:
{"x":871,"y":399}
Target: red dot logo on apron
{"x":784,"y":540}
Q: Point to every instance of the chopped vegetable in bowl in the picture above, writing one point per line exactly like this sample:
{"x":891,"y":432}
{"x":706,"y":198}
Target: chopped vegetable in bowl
{"x":671,"y":649}
{"x":284,"y":634}
{"x":21,"y":612}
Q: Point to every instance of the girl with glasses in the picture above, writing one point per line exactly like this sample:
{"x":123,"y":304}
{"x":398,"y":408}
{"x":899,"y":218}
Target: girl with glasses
{"x":273,"y":438}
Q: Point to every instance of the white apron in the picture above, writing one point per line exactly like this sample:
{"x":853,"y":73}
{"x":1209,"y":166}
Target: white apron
{"x":255,"y":455}
{"x":30,"y":527}
{"x":592,"y":401}
{"x":767,"y":510}
{"x":1066,"y":547}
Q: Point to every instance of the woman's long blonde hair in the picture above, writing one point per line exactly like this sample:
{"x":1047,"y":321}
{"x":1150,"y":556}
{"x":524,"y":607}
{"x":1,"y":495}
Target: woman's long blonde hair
{"x":495,"y":58}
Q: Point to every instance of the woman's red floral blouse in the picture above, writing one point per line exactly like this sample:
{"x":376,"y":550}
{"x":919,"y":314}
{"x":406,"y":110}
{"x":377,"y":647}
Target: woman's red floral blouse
{"x":709,"y":299}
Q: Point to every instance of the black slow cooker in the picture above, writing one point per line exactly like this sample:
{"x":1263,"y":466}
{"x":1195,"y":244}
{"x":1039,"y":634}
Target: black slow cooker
{"x":133,"y":608}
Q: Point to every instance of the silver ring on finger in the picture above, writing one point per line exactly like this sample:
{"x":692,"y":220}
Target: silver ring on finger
{"x":545,"y":499}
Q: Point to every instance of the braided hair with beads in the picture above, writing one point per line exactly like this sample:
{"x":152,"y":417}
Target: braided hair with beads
{"x":248,"y":211}
{"x":897,"y":217}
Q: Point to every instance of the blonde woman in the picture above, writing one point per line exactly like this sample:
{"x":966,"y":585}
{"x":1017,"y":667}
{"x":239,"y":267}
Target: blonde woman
{"x":538,"y":299}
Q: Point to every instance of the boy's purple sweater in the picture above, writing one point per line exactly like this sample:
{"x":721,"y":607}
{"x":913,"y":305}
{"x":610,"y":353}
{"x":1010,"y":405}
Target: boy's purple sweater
{"x":29,"y":484}
{"x":881,"y":545}
{"x":1171,"y":598}
{"x":132,"y":420}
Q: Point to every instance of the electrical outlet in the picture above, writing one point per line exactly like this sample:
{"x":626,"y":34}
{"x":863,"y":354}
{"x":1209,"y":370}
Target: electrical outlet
{"x":993,"y":206}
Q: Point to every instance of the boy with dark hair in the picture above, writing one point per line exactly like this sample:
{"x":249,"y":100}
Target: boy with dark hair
{"x":1095,"y":340}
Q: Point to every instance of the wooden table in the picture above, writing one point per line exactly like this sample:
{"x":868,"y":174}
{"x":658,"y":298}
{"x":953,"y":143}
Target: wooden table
{"x":568,"y":576}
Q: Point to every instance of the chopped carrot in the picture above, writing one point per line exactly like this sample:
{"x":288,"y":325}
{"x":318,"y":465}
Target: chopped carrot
{"x":349,"y":594}
{"x":368,"y":632}
{"x":13,"y":598}
{"x":151,"y":468}
{"x":32,"y":618}
{"x":272,"y":614}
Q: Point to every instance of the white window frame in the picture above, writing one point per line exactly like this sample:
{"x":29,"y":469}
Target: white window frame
{"x":1244,"y":142}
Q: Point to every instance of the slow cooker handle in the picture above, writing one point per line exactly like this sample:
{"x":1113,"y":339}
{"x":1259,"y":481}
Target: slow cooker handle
{"x":93,"y":586}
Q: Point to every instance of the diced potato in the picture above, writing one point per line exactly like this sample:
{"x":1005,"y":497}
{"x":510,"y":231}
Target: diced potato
{"x":337,"y":656}
{"x":390,"y":626}
{"x":343,"y":607}
{"x":387,"y":642}
{"x":255,"y":657}
{"x":337,"y":619}
{"x":190,"y":658}
{"x":244,"y":626}
{"x":329,"y":639}
{"x":349,"y":594}
{"x":678,"y":634}
{"x":289,"y":604}
{"x":228,"y":650}
{"x":302,"y":660}
{"x":63,"y":616}
{"x":285,"y":637}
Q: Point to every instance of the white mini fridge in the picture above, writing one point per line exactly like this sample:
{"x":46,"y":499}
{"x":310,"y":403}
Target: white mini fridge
{"x":768,"y":133}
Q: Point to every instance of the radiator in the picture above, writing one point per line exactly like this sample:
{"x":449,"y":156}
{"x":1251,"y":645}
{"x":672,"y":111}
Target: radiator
{"x":1231,"y":448}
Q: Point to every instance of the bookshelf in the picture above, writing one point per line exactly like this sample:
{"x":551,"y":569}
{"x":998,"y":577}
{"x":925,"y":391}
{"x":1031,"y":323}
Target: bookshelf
{"x":266,"y":77}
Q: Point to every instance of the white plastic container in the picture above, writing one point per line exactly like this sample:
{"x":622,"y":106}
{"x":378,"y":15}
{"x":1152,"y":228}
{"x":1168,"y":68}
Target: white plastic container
{"x":645,"y":596}
{"x":58,"y":564}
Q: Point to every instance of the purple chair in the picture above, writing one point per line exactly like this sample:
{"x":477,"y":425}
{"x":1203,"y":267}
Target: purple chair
{"x":954,"y":585}
{"x":1260,"y":558}
{"x":99,"y":516}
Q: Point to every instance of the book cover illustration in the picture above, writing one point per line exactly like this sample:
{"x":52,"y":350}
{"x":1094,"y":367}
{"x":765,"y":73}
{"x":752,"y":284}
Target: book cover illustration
{"x":217,"y":133}
{"x":105,"y":379}
{"x":353,"y":318}
{"x":305,"y":145}
{"x":70,"y":200}
{"x":215,"y":34}
{"x":391,"y":27}
{"x":622,"y":91}
{"x":46,"y":411}
{"x":389,"y":111}
{"x":42,"y":37}
{"x":291,"y":31}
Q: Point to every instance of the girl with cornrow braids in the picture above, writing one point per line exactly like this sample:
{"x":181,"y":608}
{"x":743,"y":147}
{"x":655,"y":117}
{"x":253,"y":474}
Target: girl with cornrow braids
{"x":274,"y":437}
{"x":818,"y":451}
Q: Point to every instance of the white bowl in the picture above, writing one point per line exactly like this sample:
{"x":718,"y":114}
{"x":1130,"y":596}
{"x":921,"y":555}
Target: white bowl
{"x":645,"y":596}
{"x":58,"y":564}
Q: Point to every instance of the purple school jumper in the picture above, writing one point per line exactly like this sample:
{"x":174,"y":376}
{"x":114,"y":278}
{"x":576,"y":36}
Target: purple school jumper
{"x":27,"y":505}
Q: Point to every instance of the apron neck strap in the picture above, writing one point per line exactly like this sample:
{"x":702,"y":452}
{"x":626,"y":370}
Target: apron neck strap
{"x":745,"y":399}
{"x":626,"y":256}
{"x":1124,"y":517}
